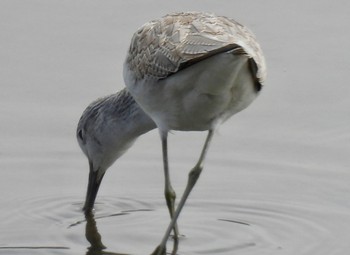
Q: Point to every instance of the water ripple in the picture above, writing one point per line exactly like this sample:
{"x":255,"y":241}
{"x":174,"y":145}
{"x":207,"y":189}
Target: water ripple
{"x":128,"y":226}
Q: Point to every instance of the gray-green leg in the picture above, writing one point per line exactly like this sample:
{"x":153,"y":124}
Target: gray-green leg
{"x":169,"y":192}
{"x":192,"y":179}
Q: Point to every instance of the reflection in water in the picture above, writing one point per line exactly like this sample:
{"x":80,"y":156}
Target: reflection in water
{"x":173,"y":252}
{"x":94,"y":238}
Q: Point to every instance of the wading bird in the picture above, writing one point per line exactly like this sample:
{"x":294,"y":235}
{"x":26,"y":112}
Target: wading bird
{"x":186,"y":71}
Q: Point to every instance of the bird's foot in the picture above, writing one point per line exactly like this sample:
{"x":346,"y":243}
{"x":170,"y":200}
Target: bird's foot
{"x":160,"y":250}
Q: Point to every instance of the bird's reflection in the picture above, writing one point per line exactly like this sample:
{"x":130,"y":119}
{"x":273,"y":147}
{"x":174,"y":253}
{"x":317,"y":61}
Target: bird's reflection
{"x":95,"y":239}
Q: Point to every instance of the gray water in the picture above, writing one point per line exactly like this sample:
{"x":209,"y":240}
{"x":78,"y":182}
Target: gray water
{"x":277,"y":177}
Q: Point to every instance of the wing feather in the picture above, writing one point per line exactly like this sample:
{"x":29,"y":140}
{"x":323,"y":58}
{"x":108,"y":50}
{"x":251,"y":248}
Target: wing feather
{"x":162,"y":47}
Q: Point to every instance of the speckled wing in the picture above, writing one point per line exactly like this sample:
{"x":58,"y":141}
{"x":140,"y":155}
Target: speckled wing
{"x":162,"y":47}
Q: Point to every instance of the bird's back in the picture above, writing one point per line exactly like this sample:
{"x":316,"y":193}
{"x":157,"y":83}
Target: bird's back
{"x":162,"y":47}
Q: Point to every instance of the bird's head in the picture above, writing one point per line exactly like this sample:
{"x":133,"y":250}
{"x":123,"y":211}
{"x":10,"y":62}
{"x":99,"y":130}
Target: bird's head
{"x":107,"y":128}
{"x":102,"y":146}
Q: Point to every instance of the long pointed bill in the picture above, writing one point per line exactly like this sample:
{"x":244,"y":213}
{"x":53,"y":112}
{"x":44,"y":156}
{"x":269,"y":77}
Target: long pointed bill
{"x":95,"y":179}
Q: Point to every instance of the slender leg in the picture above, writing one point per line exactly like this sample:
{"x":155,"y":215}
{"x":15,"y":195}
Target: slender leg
{"x":169,"y":192}
{"x":192,"y":179}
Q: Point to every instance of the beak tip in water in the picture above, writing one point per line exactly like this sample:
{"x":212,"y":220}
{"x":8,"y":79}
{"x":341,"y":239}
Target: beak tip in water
{"x":95,"y":179}
{"x":88,"y":210}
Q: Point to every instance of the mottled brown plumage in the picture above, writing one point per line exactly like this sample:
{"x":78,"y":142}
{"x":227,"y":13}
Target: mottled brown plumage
{"x":165,"y":46}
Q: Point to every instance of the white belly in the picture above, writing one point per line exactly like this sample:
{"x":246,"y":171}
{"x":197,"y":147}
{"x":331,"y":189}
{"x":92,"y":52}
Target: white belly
{"x":198,"y":97}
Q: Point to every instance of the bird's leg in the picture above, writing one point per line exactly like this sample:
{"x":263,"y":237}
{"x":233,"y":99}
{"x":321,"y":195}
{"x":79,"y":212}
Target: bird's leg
{"x":192,"y":179}
{"x":169,"y":192}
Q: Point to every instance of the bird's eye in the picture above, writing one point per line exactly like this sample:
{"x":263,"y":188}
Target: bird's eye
{"x":80,"y":134}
